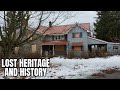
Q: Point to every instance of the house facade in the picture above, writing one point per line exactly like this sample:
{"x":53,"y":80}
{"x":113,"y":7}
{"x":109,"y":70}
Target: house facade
{"x":59,"y":40}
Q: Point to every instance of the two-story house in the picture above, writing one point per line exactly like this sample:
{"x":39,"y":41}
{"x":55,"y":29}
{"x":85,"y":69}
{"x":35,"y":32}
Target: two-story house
{"x":59,"y":40}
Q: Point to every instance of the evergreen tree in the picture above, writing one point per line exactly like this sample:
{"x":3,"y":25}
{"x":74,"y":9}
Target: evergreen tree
{"x":107,"y":26}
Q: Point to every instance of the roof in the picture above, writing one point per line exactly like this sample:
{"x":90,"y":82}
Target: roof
{"x":62,"y":29}
{"x":99,"y":40}
{"x":62,"y":42}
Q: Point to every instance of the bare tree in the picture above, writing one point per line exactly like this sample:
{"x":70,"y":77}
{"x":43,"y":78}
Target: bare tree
{"x":15,"y":26}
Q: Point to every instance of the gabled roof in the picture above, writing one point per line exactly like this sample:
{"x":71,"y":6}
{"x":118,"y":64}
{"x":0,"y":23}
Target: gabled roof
{"x":62,"y":29}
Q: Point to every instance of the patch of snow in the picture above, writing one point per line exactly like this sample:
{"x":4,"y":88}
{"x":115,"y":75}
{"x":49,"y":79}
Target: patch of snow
{"x":78,"y":68}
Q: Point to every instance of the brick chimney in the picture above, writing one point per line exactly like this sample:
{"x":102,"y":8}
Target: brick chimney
{"x":50,"y":24}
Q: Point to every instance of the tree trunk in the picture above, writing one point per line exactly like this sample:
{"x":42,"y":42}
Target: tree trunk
{"x":8,"y":53}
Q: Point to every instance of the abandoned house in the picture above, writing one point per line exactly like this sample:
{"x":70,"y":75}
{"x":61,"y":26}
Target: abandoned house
{"x":59,"y":40}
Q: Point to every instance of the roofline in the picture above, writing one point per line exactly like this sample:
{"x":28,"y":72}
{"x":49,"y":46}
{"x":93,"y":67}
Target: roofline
{"x":103,"y":40}
{"x":67,"y":31}
{"x":73,"y":27}
{"x":53,"y":34}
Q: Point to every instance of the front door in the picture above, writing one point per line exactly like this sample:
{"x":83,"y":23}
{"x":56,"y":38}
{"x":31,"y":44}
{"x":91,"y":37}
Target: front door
{"x":47,"y":49}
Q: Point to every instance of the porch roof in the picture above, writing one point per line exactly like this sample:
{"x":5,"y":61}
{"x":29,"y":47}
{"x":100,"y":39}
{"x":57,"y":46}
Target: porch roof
{"x":55,"y":42}
{"x":77,"y":44}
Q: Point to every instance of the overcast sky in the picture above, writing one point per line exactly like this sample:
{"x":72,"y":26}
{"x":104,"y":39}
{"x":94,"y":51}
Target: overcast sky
{"x":80,"y":17}
{"x":83,"y":17}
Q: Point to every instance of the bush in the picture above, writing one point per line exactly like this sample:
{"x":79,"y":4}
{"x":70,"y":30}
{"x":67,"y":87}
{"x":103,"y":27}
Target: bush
{"x":92,"y":54}
{"x":84,"y":54}
{"x":32,"y":55}
{"x":98,"y":53}
{"x":101,"y":53}
{"x":70,"y":54}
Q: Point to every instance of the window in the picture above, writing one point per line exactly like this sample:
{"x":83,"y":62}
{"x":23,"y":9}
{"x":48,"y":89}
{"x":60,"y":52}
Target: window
{"x":58,"y":37}
{"x":34,"y":48}
{"x":77,"y":35}
{"x":81,"y":35}
{"x":115,"y":47}
{"x":76,"y":48}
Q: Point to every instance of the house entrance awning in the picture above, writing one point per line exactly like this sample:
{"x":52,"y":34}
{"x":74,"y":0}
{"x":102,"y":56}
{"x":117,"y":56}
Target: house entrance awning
{"x":55,"y":43}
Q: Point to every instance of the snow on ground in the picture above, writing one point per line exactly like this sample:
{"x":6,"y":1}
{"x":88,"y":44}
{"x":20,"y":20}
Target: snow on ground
{"x":78,"y":68}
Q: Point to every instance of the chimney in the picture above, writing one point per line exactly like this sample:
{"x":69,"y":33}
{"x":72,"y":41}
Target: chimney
{"x":50,"y":24}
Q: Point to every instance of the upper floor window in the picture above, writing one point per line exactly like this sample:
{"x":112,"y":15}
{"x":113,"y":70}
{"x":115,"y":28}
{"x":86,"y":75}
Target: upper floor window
{"x":77,"y":35}
{"x":58,"y":37}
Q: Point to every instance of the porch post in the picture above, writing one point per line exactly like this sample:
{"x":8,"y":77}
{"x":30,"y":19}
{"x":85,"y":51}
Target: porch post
{"x":53,"y":50}
{"x":41,"y":50}
{"x":67,"y":49}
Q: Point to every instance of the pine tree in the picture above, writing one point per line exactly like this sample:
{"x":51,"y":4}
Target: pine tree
{"x":107,"y":26}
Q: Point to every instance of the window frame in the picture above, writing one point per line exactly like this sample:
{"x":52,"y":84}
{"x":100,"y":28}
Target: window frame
{"x":59,"y":37}
{"x":115,"y":47}
{"x":74,"y":35}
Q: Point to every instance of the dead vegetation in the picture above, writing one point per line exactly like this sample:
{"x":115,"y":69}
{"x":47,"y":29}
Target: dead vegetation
{"x":98,"y":74}
{"x":110,"y":70}
{"x":106,"y":71}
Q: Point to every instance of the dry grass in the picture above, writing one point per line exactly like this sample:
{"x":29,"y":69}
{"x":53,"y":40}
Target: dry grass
{"x":54,"y":65}
{"x":98,"y":74}
{"x":110,"y":71}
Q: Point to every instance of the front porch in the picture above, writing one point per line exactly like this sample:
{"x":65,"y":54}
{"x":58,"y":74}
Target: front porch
{"x":96,"y":44}
{"x":94,"y":47}
{"x":54,"y":48}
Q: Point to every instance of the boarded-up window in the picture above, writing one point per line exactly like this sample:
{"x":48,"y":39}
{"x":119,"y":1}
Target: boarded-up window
{"x":59,"y":48}
{"x":34,"y":48}
{"x":16,"y":50}
{"x":76,"y":48}
{"x":77,"y":35}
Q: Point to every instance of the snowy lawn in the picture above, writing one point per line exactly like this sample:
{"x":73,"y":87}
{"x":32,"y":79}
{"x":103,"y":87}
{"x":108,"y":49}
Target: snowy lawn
{"x":78,"y":68}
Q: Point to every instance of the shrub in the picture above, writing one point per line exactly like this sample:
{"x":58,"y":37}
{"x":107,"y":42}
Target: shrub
{"x":98,"y":53}
{"x":101,"y":53}
{"x":92,"y":54}
{"x":70,"y":54}
{"x":32,"y":55}
{"x":84,"y":54}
